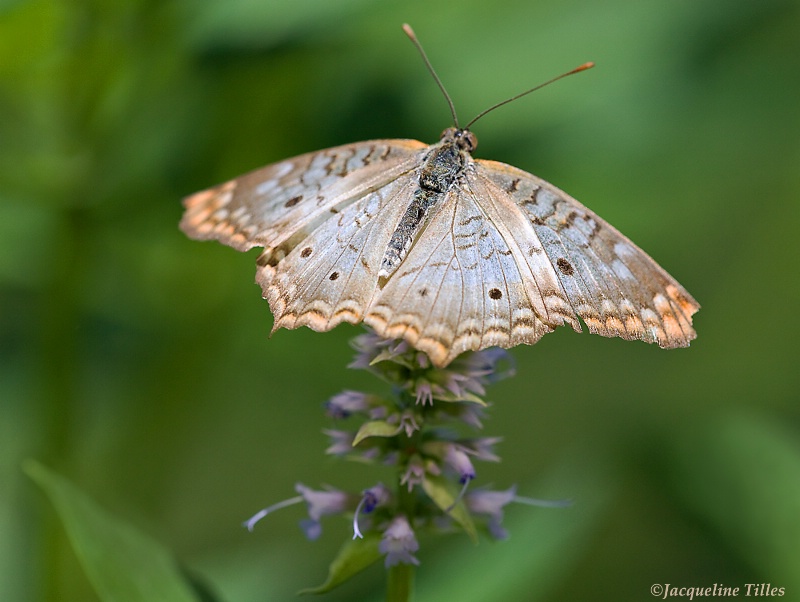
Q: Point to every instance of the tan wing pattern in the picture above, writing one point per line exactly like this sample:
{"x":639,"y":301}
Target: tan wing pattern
{"x":276,"y":206}
{"x":614,"y":286}
{"x":465,"y":284}
{"x":331,"y":275}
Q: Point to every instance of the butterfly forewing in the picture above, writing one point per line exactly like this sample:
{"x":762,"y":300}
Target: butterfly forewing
{"x":276,"y":205}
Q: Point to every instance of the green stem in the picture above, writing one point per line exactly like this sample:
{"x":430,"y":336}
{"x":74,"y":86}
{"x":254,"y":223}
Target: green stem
{"x":400,"y":578}
{"x":400,"y":586}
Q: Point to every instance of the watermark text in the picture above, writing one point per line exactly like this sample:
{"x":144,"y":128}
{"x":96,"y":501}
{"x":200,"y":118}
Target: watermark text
{"x":665,"y":591}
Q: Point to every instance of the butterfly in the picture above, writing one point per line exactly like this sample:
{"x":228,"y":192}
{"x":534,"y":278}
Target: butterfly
{"x":426,"y":243}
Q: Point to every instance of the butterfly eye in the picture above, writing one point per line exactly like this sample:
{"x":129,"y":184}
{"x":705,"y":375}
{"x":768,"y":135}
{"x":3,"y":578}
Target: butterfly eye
{"x":448,"y":133}
{"x":468,"y":141}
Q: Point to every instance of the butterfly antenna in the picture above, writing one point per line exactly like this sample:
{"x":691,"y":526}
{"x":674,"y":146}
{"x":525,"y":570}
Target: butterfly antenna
{"x":410,"y":33}
{"x":583,"y":67}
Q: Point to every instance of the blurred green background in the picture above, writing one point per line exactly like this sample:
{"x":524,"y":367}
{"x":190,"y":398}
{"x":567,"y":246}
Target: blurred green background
{"x":136,"y":362}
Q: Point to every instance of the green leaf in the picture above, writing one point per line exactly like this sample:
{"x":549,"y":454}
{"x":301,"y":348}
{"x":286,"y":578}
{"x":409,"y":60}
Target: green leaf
{"x":466,"y":397}
{"x":375,"y":428}
{"x":395,"y":358}
{"x":123,"y":564}
{"x":353,"y":557}
{"x":440,"y":490}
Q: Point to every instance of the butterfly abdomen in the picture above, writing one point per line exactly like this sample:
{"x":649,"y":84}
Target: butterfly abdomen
{"x":438,"y":173}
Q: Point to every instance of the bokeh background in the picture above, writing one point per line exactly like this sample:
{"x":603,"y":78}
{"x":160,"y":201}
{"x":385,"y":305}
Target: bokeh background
{"x":136,"y":362}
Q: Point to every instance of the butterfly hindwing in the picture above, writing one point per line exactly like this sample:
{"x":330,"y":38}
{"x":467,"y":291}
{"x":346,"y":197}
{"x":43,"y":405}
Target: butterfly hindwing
{"x":331,"y":276}
{"x":463,"y":286}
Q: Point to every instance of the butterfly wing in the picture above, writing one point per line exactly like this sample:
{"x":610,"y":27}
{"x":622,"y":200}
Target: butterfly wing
{"x":275,"y":207}
{"x":313,"y":214}
{"x":465,"y":283}
{"x":614,"y":286}
{"x":332,"y":275}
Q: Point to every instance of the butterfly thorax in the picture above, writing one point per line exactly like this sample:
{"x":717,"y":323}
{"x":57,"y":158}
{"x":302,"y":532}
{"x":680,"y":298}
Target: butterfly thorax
{"x":439,"y":170}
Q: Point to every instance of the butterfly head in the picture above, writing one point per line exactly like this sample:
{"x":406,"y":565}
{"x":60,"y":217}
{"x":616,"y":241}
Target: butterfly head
{"x":462,"y":138}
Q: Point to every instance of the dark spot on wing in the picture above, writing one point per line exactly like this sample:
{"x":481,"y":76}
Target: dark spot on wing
{"x":565,"y":266}
{"x":495,"y":293}
{"x":293,"y":201}
{"x":423,"y":292}
{"x":469,"y":220}
{"x":306,"y":252}
{"x":334,"y":276}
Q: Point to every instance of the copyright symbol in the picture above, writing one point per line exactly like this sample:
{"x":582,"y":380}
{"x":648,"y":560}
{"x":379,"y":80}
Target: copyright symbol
{"x":656,"y":590}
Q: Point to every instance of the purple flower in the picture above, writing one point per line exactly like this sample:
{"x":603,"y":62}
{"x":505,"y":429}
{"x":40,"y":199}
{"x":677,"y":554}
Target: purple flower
{"x":482,"y":448}
{"x":372,"y":498}
{"x":312,"y":529}
{"x":469,"y":373}
{"x":320,"y":503}
{"x":471,"y":414}
{"x":407,"y":422}
{"x":341,"y":442}
{"x":378,"y":413}
{"x":346,"y":403}
{"x":414,"y":474}
{"x":399,"y":543}
{"x":482,"y":365}
{"x":456,"y":457}
{"x":370,"y":346}
{"x":484,"y":501}
{"x":376,"y":496}
{"x":424,"y":393}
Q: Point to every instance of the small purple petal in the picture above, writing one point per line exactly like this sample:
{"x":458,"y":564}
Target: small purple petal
{"x":413,"y":475}
{"x":491,"y":503}
{"x":321,"y":503}
{"x":482,"y":448}
{"x":373,"y":497}
{"x":485,"y":501}
{"x":399,"y":543}
{"x":408,"y":422}
{"x":312,"y":528}
{"x":471,"y":414}
{"x":423,"y":360}
{"x":458,"y":460}
{"x":496,"y":530}
{"x":376,"y":496}
{"x":378,"y":413}
{"x":341,"y":442}
{"x":371,"y":454}
{"x":347,"y":403}
{"x":424,"y":394}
